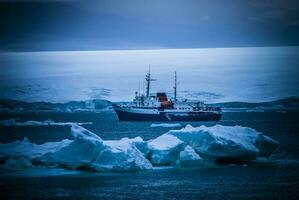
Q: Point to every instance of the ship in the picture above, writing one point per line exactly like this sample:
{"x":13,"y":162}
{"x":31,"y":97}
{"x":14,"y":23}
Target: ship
{"x":158,"y":107}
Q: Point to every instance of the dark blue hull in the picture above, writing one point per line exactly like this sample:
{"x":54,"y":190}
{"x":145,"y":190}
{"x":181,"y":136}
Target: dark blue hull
{"x":128,"y":116}
{"x":199,"y":116}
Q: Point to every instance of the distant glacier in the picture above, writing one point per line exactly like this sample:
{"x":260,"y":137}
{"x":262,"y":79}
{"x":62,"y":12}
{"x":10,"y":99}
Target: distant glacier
{"x":8,"y":105}
{"x":253,"y":74}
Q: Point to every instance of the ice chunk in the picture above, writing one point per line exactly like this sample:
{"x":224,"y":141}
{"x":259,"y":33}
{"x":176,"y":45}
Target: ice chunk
{"x":188,"y":157}
{"x":79,"y":153}
{"x":226,"y":141}
{"x":165,"y":149}
{"x":86,"y":150}
{"x":187,"y":147}
{"x":166,"y":125}
{"x":19,"y":155}
{"x":121,"y":155}
{"x":25,"y":148}
{"x":89,"y":151}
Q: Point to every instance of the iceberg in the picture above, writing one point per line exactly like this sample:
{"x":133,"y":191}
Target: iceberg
{"x":89,"y":151}
{"x":243,"y":143}
{"x":20,"y":155}
{"x":86,"y":151}
{"x":29,"y":150}
{"x":188,"y":147}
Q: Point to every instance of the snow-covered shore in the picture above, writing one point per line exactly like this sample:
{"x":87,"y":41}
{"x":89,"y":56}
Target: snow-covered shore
{"x":13,"y":122}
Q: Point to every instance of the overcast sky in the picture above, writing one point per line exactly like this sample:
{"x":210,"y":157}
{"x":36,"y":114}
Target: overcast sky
{"x":34,"y":25}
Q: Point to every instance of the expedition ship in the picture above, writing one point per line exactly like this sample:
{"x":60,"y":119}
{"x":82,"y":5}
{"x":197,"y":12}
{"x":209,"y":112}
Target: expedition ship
{"x":158,"y":107}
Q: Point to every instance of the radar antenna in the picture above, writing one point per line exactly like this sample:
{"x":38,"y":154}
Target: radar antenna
{"x":148,"y":81}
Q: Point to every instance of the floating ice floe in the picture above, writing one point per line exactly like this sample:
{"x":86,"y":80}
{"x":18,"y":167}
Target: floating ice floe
{"x":89,"y":151}
{"x":186,"y":147}
{"x":13,"y":122}
{"x":166,"y":125}
{"x":218,"y":141}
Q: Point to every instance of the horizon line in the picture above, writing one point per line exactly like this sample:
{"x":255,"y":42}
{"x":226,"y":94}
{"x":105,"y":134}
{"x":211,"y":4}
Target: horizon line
{"x":152,"y":49}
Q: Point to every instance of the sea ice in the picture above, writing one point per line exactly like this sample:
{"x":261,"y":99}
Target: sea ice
{"x":29,"y":150}
{"x":89,"y":151}
{"x":13,"y":122}
{"x":220,"y":141}
{"x":186,"y":147}
{"x":166,"y":125}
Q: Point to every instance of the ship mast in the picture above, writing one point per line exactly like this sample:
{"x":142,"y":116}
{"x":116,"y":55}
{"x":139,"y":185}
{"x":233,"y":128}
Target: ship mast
{"x":175,"y":86}
{"x":148,"y":81}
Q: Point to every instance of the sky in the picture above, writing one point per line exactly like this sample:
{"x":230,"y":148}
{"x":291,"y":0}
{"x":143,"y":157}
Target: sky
{"x":55,"y":25}
{"x":223,"y":50}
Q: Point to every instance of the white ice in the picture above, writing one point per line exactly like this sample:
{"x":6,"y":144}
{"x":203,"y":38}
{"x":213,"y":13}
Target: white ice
{"x":226,"y":141}
{"x":165,"y":149}
{"x":89,"y":151}
{"x":188,"y":157}
{"x":14,"y":122}
{"x":190,"y":146}
{"x":206,"y":74}
{"x":166,"y":125}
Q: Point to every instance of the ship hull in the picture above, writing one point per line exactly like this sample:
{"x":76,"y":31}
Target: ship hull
{"x":124,"y":115}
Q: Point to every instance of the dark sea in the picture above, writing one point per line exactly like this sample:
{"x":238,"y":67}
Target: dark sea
{"x":273,"y":178}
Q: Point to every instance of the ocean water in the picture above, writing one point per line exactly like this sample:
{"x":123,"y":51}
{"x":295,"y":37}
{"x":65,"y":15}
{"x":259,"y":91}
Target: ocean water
{"x":273,"y":178}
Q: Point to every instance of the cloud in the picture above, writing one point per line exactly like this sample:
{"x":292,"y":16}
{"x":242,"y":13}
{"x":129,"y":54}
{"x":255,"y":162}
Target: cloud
{"x":134,"y":24}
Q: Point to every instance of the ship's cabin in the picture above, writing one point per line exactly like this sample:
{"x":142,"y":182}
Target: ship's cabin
{"x":161,"y":96}
{"x":161,"y":102}
{"x":158,"y":99}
